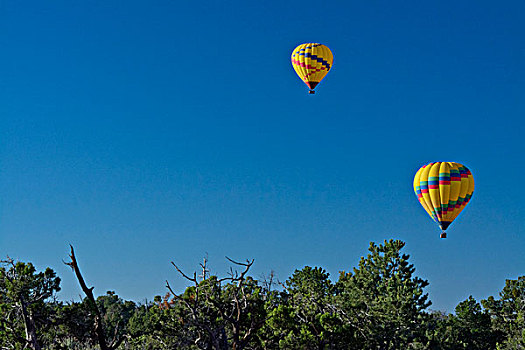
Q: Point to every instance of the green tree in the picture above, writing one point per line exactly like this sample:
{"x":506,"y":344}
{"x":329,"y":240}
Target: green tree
{"x":116,"y":314}
{"x":306,"y":317}
{"x":469,"y":328}
{"x":221,"y":313}
{"x":23,"y":309}
{"x":508,"y":313}
{"x":472,"y":326}
{"x":74,"y":326}
{"x":383,"y":300}
{"x":155,"y":326}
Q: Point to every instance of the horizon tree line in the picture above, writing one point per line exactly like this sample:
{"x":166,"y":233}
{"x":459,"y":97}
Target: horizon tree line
{"x":380,"y":304}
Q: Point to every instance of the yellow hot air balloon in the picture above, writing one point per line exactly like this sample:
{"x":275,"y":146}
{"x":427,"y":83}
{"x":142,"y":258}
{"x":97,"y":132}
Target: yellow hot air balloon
{"x":443,"y":189}
{"x":311,"y":62}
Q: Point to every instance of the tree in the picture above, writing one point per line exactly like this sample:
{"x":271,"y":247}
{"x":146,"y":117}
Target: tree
{"x":383,"y":300}
{"x":23,"y":293}
{"x":508,"y":313}
{"x":473,"y":326}
{"x":158,"y":326}
{"x":116,"y":314}
{"x":469,"y":328}
{"x":74,"y":325}
{"x":221,"y":313}
{"x":99,"y":328}
{"x":306,"y":317}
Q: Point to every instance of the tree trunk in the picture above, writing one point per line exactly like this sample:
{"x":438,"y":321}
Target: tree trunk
{"x":30,"y":327}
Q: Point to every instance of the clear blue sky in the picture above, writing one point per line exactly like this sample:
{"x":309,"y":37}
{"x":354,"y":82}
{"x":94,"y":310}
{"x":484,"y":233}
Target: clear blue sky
{"x":158,"y":131}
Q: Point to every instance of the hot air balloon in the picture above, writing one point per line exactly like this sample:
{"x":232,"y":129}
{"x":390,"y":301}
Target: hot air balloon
{"x":311,"y":62}
{"x":443,"y":189}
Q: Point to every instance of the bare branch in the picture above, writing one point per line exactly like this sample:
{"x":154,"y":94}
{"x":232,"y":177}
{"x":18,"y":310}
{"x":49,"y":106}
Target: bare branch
{"x":194,"y":279}
{"x":203,"y":265}
{"x":98,"y":325}
{"x":171,"y":290}
{"x":232,"y":304}
{"x":247,"y":263}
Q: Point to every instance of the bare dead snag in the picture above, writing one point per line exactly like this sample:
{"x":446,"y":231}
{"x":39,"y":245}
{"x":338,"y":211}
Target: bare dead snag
{"x":98,"y":326}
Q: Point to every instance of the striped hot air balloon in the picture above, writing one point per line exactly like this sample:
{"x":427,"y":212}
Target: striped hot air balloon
{"x":443,"y":189}
{"x":311,"y":62}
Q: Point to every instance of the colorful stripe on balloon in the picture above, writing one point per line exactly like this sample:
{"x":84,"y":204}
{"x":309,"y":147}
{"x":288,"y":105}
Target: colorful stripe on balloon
{"x":443,"y":189}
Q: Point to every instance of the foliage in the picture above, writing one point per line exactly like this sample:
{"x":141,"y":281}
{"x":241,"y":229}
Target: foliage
{"x":307,"y":318}
{"x":221,"y":313}
{"x":469,"y":328}
{"x":383,"y":300}
{"x":23,"y":307}
{"x":381,"y":304}
{"x":508,"y":313}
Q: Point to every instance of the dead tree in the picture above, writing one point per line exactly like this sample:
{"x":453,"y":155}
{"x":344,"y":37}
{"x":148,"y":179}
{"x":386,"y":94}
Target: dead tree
{"x":98,"y":326}
{"x":233,"y":302}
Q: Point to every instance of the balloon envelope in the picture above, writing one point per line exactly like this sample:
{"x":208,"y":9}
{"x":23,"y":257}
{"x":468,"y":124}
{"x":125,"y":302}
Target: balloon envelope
{"x":311,"y":62}
{"x":443,"y":189}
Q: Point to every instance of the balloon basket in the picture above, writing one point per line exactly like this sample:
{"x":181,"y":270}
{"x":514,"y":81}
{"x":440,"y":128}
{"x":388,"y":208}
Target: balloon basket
{"x":443,"y":235}
{"x":311,"y":92}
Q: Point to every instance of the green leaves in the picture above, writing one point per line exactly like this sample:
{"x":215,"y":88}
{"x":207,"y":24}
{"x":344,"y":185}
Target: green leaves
{"x":23,"y":307}
{"x":383,"y":299}
{"x":381,"y":304}
{"x":469,"y":328}
{"x":308,"y":318}
{"x":508,"y":313}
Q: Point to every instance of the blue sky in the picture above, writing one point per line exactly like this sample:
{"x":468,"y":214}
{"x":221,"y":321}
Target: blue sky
{"x":150,"y":132}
